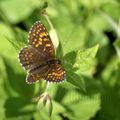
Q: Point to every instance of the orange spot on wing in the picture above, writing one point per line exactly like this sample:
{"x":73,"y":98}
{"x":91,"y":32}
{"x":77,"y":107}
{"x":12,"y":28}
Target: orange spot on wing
{"x":36,"y":45}
{"x":47,"y":45}
{"x":40,"y":43}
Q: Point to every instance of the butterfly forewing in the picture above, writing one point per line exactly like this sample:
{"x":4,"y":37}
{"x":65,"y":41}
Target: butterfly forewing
{"x":40,"y":40}
{"x":30,"y":58}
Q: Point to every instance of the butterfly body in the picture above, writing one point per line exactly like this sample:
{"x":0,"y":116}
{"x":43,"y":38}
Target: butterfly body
{"x":39,"y":57}
{"x":53,"y":61}
{"x":48,"y":63}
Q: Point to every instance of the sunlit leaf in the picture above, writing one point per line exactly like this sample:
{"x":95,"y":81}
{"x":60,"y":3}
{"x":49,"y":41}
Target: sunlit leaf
{"x":84,"y":58}
{"x":76,"y":80}
{"x":14,"y":13}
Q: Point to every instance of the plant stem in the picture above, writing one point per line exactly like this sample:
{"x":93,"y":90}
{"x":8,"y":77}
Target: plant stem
{"x":47,"y":87}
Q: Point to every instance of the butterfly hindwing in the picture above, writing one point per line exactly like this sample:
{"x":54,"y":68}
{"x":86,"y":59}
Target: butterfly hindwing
{"x":56,"y":74}
{"x":32,"y":78}
{"x":37,"y":73}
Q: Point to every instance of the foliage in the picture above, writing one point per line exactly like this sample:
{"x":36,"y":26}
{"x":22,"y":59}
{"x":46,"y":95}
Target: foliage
{"x":89,"y":48}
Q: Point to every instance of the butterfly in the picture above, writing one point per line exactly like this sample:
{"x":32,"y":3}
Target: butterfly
{"x":38,"y":58}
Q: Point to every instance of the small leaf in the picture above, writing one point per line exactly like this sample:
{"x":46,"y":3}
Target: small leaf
{"x":76,"y":36}
{"x":18,"y":10}
{"x":69,"y":60}
{"x":59,"y":51}
{"x":76,"y":80}
{"x":84,"y":58}
{"x":57,"y":105}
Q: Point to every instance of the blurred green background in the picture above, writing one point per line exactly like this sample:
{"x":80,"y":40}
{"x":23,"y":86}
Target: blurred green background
{"x":89,"y":35}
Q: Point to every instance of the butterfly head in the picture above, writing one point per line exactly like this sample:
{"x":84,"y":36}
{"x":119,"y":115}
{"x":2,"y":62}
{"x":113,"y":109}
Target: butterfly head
{"x":53,"y":61}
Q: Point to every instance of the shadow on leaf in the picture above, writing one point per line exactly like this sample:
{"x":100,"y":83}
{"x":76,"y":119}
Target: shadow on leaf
{"x":16,"y":82}
{"x":16,"y":106}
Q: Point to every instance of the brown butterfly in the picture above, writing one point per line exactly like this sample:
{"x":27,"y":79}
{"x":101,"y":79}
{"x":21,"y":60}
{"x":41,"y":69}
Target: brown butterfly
{"x":39,"y":57}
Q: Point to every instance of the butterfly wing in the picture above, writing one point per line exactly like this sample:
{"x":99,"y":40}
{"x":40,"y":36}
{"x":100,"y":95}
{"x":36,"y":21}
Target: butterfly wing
{"x":56,"y":74}
{"x":40,"y":40}
{"x":37,"y":74}
{"x":30,"y":58}
{"x":32,"y":78}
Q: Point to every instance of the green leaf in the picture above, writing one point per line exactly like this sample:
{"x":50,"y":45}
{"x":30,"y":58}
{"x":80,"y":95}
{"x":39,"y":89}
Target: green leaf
{"x":76,"y":80}
{"x":59,"y":51}
{"x":69,"y":60}
{"x":57,"y":108}
{"x":3,"y":94}
{"x":17,"y":10}
{"x":84,"y":108}
{"x":15,"y":82}
{"x":85,"y":59}
{"x":71,"y":97}
{"x":70,"y":34}
{"x":41,"y":115}
{"x":18,"y":106}
{"x":112,"y":8}
{"x":110,"y":106}
{"x":111,"y":71}
{"x":74,"y":39}
{"x":6,"y":33}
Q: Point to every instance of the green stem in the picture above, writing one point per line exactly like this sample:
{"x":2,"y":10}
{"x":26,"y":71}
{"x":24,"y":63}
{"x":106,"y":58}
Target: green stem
{"x":47,"y":87}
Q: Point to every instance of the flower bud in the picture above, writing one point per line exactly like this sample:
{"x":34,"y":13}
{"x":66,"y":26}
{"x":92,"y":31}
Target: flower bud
{"x":45,"y":101}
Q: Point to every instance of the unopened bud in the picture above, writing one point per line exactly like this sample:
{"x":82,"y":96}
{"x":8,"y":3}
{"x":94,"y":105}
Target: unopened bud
{"x":45,"y":101}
